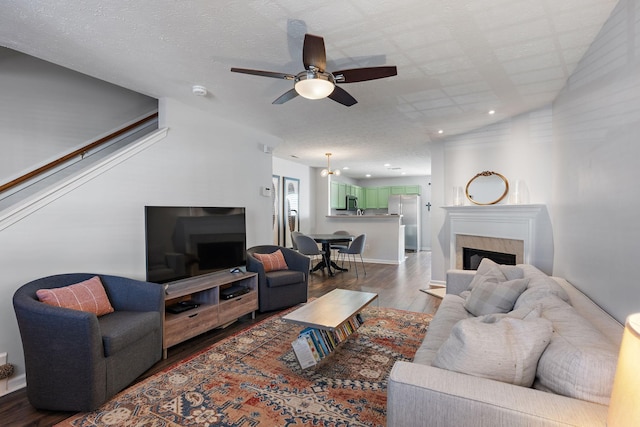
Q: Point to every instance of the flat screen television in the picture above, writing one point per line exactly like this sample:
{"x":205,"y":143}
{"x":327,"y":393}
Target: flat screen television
{"x":189,"y":241}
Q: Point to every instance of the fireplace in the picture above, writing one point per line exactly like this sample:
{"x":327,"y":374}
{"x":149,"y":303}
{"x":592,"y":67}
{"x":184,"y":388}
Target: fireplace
{"x":472,"y":257}
{"x":521,"y":230}
{"x":498,"y":249}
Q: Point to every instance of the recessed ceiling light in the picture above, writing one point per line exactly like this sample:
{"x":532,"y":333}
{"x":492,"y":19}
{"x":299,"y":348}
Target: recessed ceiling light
{"x":440,"y":131}
{"x":386,"y":165}
{"x":368,"y":175}
{"x":492,"y":112}
{"x":404,"y":173}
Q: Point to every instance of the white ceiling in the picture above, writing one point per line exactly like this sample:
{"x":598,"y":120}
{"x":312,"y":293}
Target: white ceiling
{"x":456,"y":59}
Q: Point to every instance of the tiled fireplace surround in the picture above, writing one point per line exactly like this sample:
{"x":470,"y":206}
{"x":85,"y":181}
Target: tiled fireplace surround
{"x":523,"y":230}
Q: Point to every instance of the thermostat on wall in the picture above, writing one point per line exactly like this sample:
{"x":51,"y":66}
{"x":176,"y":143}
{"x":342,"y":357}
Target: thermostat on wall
{"x":265,"y":191}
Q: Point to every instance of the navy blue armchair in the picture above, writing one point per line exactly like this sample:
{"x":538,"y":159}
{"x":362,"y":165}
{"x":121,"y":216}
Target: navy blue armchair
{"x":74,"y":360}
{"x":283,"y":288}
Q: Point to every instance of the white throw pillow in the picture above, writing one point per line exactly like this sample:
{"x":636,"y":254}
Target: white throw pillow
{"x":488,"y":296}
{"x":580,"y":362}
{"x":489,"y":269}
{"x":506,"y":350}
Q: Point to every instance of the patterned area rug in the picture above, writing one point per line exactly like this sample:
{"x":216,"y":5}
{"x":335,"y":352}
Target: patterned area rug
{"x":253,"y":379}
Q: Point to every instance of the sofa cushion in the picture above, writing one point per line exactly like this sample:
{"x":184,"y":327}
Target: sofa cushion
{"x":580,"y":361}
{"x":540,"y":285}
{"x":88,"y":296}
{"x":488,"y":296}
{"x":489,"y":269}
{"x":284,"y":278}
{"x":503,"y":348}
{"x":273,"y":261}
{"x":120,"y":329}
{"x":451,"y":310}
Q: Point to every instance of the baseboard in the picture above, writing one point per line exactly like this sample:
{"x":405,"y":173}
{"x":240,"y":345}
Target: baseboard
{"x":14,"y":383}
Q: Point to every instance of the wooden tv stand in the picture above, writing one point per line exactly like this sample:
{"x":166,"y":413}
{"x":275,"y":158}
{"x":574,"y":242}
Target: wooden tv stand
{"x":212,"y":310}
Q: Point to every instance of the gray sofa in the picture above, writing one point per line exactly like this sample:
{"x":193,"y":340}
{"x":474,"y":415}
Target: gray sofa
{"x":74,"y":360}
{"x":573,"y":374}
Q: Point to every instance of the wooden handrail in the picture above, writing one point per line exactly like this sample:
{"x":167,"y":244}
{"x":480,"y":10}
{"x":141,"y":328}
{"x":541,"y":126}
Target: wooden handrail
{"x":79,"y":152}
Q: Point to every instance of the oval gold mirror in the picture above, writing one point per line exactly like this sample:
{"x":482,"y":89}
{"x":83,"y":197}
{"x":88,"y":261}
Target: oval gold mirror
{"x":487,"y":188}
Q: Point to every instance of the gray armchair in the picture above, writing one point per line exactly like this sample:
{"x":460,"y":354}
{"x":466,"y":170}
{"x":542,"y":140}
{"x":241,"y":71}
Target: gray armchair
{"x":284,"y":288}
{"x":74,"y":360}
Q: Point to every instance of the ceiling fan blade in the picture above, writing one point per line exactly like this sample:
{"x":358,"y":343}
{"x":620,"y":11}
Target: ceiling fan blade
{"x":364,"y":74}
{"x":273,"y":74}
{"x":342,"y":96}
{"x":287,"y":96}
{"x":313,"y":52}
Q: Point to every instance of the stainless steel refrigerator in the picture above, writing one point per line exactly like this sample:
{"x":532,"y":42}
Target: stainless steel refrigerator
{"x":409,"y":207}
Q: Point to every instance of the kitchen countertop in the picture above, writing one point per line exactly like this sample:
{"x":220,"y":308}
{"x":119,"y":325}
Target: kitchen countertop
{"x":385,"y":234}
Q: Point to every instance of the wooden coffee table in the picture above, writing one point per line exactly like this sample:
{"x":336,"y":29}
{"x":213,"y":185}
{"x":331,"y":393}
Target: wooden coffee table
{"x":328,"y":321}
{"x":331,"y":310}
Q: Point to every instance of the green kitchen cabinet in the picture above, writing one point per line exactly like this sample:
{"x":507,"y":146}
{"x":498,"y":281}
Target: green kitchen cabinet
{"x":411,"y":189}
{"x":383,"y":197}
{"x":405,"y":189}
{"x":398,"y":189}
{"x":371,"y":198}
{"x":376,"y":197}
{"x":338,"y":195}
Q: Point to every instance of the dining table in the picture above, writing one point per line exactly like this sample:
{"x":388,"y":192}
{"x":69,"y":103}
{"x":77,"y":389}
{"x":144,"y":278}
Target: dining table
{"x":326,"y":240}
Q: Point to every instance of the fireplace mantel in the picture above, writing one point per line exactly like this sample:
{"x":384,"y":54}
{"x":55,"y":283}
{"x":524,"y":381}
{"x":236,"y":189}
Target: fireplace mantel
{"x":529,"y":223}
{"x":493,"y":210}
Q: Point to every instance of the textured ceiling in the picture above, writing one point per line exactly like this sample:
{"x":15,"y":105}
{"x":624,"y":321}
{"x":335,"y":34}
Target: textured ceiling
{"x":456,"y":59}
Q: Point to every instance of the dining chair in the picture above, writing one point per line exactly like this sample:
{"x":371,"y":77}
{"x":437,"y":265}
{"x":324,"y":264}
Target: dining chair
{"x":355,"y":248}
{"x":294,"y":235}
{"x":338,"y":246}
{"x":308,"y":246}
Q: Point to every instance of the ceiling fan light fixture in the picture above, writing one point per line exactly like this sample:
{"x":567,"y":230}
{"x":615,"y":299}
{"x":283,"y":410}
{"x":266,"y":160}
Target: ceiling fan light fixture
{"x":314,"y":85}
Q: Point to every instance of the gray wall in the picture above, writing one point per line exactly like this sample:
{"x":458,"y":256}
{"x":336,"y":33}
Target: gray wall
{"x":596,"y":197}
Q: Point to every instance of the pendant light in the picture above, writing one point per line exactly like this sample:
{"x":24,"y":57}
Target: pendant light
{"x":328,"y":171}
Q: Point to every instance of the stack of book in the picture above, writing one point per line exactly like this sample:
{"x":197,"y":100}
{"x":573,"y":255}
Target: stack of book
{"x":313,"y":344}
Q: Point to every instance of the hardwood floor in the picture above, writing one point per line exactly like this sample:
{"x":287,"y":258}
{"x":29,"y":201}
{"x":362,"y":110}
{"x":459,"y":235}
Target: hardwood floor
{"x":398,"y":286}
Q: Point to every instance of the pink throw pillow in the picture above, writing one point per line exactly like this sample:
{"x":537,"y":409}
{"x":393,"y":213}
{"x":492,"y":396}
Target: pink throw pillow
{"x":88,"y":296}
{"x":273,"y":261}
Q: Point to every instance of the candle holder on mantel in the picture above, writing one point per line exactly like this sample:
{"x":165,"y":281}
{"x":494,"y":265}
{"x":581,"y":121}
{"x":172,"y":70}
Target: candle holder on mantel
{"x":519,"y":193}
{"x":458,"y":196}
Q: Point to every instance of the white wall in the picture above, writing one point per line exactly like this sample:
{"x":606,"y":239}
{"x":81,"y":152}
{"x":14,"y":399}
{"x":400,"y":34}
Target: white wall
{"x":520,"y":148}
{"x":595,"y":199}
{"x":99,"y":227}
{"x":60,"y":110}
{"x":585,"y":172}
{"x":439,"y":231}
{"x":306,"y":200}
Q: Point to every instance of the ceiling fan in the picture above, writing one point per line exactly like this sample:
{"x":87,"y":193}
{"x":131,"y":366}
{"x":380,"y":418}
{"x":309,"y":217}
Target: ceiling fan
{"x":315,"y":82}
